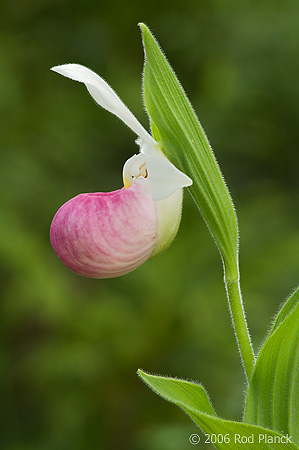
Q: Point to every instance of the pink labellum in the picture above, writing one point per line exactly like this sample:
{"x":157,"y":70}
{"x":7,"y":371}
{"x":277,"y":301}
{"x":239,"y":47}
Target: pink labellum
{"x":104,"y":235}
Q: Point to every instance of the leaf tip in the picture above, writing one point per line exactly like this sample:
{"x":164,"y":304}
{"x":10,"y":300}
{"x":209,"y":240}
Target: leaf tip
{"x":142,"y":27}
{"x":146,"y":33}
{"x":142,"y":375}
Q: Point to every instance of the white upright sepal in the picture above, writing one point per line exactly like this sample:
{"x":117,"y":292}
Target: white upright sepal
{"x":104,"y":95}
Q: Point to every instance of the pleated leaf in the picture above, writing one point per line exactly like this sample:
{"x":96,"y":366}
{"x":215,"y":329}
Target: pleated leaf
{"x":288,"y":306}
{"x":273,"y":393}
{"x":176,"y":127}
{"x":181,"y":392}
{"x":230,"y":435}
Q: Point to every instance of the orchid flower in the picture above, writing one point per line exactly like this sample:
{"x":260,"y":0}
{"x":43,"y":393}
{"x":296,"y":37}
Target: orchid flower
{"x":108,"y":234}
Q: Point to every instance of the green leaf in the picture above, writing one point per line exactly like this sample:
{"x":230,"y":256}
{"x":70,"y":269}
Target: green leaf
{"x":181,"y":392}
{"x":175,"y":125}
{"x":273,"y":393}
{"x":288,"y":306}
{"x":224,"y":434}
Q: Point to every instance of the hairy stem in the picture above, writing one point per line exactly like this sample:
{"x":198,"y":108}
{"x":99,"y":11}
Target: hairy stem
{"x":240,"y":325}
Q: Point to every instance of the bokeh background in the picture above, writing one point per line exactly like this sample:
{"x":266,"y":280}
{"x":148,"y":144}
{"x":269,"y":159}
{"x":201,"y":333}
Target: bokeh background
{"x":70,"y":346}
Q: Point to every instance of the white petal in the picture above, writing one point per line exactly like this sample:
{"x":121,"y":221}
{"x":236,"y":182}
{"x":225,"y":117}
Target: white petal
{"x":164,"y":177}
{"x":104,"y":95}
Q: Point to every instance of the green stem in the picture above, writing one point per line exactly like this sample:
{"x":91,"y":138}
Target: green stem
{"x":240,"y":325}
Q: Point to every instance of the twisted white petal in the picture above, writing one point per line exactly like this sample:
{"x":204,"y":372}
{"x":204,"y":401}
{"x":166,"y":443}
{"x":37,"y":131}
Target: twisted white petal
{"x":165,"y":178}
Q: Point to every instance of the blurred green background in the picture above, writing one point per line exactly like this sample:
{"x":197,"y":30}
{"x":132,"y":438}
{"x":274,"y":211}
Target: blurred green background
{"x":70,"y":346}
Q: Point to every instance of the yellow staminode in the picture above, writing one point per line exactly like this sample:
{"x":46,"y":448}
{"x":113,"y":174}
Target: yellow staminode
{"x":134,"y":168}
